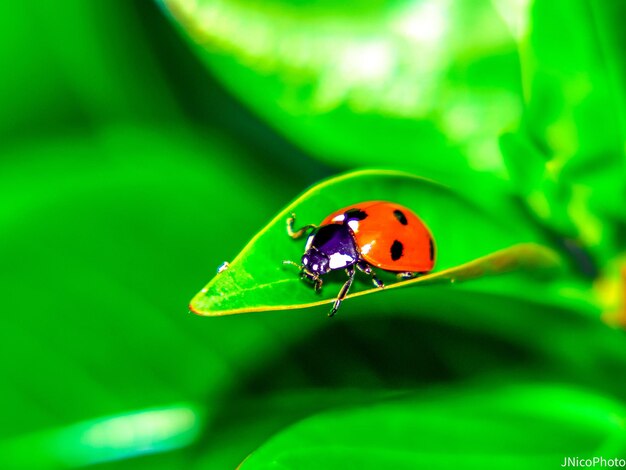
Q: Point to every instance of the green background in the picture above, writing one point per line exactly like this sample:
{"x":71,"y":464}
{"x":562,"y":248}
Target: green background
{"x":142,"y":144}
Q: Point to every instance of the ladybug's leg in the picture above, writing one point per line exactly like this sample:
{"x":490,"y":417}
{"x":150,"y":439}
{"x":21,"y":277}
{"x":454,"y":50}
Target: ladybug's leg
{"x":407,"y":275}
{"x":316,"y":280}
{"x":301,"y":231}
{"x":367,"y":269}
{"x":344,"y":290}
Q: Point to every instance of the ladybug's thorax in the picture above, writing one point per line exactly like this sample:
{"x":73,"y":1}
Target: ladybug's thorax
{"x":330,"y":247}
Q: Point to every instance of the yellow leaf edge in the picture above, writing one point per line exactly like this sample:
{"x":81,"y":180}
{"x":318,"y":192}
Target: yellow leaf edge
{"x":521,"y":256}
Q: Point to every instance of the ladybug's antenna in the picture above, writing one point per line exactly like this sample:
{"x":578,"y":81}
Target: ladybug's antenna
{"x":292,"y":263}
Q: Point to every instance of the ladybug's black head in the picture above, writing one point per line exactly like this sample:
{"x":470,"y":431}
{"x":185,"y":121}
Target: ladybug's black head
{"x":315,"y":262}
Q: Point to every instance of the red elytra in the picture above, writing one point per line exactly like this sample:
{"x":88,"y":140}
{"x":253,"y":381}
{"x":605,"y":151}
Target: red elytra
{"x":388,"y":235}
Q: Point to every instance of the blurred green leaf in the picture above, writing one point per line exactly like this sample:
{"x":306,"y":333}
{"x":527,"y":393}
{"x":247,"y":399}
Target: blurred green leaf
{"x":256,"y":280}
{"x":576,"y":115}
{"x":411,"y":339}
{"x":68,"y":73}
{"x":571,"y":94}
{"x":93,"y":226}
{"x":547,"y":198}
{"x":517,"y":426}
{"x":403,"y":81}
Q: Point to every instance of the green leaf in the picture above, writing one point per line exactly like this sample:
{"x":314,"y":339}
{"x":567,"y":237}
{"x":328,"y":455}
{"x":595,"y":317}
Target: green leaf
{"x":571,"y":93}
{"x":576,"y":107}
{"x":514,"y":426}
{"x":466,"y":237}
{"x":547,"y":198}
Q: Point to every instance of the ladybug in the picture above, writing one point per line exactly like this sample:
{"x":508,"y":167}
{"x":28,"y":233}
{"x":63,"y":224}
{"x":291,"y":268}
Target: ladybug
{"x":371,"y":234}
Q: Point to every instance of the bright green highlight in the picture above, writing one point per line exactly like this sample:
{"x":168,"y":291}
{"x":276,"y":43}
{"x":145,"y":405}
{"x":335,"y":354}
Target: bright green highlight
{"x":106,"y":439}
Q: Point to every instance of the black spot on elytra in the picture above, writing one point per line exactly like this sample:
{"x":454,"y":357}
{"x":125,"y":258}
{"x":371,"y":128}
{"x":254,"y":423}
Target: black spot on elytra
{"x":400,"y":216}
{"x":396,"y":250}
{"x":432,"y":250}
{"x":354,"y":214}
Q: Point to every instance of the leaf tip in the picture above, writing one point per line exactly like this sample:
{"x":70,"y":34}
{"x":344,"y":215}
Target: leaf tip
{"x":193,"y":309}
{"x":196,"y":305}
